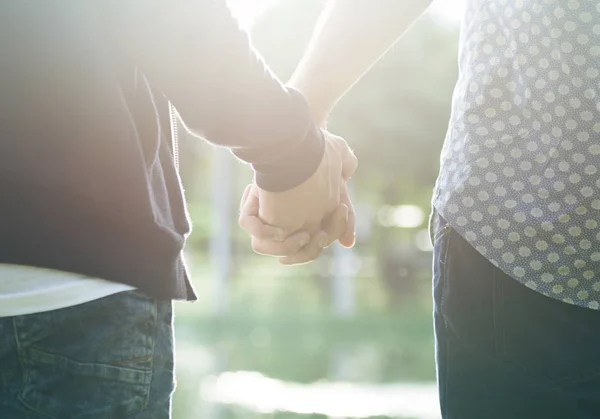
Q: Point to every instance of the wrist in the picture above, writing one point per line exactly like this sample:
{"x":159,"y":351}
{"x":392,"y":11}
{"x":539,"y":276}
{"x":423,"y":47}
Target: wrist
{"x":299,"y":163}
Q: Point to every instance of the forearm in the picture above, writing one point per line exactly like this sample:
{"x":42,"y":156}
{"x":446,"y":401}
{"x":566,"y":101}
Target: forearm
{"x":350,"y":37}
{"x":194,"y":53}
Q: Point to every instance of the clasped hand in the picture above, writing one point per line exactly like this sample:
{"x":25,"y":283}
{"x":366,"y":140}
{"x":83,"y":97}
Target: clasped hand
{"x":297,"y":224}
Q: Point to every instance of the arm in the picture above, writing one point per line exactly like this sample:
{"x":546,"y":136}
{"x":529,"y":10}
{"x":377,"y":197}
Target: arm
{"x":194,"y":52}
{"x":350,"y":37}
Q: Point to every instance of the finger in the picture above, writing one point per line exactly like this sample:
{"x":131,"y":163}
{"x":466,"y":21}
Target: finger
{"x":348,"y":238}
{"x":245,"y":196}
{"x":308,"y":253}
{"x":253,"y":225}
{"x":349,"y":164}
{"x":290,"y":246}
{"x":349,"y":160}
{"x":335,"y":225}
{"x":249,"y":204}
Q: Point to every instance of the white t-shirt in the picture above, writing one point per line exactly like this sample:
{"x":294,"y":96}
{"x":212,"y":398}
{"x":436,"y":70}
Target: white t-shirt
{"x":27,"y":290}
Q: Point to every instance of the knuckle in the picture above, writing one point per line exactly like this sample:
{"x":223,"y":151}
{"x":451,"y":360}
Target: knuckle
{"x":256,"y":246}
{"x":289,"y":249}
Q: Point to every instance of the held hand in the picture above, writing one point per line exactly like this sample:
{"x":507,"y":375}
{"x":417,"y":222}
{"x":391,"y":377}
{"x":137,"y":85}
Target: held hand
{"x":266,"y":239}
{"x":318,"y":210}
{"x":298,"y":247}
{"x":340,"y":225}
{"x":306,"y":205}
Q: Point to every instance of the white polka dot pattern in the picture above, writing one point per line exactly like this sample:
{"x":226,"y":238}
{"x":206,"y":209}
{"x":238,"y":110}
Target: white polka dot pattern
{"x":519,"y":169}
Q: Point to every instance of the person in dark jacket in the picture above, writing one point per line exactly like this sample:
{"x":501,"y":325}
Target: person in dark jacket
{"x":93,"y":218}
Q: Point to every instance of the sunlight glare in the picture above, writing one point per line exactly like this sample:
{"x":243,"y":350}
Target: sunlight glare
{"x":448,"y":11}
{"x":248,"y":11}
{"x":262,"y":394}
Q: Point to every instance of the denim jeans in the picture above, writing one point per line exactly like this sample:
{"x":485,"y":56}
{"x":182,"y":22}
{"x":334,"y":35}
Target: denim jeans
{"x":110,"y":358}
{"x":503,"y":350}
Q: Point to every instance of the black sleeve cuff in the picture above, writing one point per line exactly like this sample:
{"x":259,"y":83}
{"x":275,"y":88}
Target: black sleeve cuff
{"x":294,"y":167}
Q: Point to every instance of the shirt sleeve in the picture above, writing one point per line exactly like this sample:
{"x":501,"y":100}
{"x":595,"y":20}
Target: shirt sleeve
{"x":195,"y":53}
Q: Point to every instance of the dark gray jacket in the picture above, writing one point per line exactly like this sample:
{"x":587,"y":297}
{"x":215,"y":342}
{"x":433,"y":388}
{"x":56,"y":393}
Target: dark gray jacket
{"x":88,"y":176}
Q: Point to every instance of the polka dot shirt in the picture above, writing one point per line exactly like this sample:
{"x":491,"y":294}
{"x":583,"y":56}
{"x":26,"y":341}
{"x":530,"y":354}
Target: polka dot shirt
{"x":519,"y":175}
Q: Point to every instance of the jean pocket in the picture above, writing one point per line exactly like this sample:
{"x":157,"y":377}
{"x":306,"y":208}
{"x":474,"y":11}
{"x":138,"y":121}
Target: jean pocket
{"x":60,"y":387}
{"x":91,"y":361}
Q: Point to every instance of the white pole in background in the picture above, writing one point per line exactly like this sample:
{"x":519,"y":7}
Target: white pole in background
{"x":343,"y":271}
{"x":220,"y":238}
{"x":343,"y":307}
{"x":220,"y":256}
{"x":343,"y":282}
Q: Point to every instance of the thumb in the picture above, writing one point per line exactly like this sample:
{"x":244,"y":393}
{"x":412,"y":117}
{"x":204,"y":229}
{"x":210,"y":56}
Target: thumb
{"x":245,"y":198}
{"x":348,"y":238}
{"x":349,"y":163}
{"x":349,"y":160}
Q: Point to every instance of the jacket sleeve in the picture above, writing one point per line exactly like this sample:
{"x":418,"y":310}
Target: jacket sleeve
{"x":194,"y":52}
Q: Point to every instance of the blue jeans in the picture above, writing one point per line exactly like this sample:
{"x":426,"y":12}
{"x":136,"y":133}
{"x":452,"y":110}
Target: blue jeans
{"x":110,"y":358}
{"x":503,"y":350}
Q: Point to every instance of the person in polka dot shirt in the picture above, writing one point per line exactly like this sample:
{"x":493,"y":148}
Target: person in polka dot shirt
{"x":516,"y":209}
{"x":519,"y":166}
{"x":516,"y":278}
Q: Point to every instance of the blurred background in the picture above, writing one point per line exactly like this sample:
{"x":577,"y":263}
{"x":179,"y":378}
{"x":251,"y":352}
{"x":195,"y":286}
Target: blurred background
{"x":350,"y":335}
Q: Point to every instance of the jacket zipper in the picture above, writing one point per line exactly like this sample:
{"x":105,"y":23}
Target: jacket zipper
{"x":174,"y":134}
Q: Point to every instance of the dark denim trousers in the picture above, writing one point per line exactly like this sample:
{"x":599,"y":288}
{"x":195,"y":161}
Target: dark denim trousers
{"x":504,"y":351}
{"x":110,"y":358}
